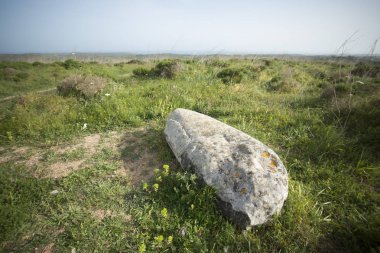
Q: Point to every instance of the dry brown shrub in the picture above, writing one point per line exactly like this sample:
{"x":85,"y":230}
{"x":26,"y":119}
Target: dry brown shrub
{"x":82,"y":86}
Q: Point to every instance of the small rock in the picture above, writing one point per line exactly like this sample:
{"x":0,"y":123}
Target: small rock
{"x":249,"y":178}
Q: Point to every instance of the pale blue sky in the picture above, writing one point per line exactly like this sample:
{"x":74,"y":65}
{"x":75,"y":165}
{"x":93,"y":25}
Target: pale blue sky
{"x":185,"y":26}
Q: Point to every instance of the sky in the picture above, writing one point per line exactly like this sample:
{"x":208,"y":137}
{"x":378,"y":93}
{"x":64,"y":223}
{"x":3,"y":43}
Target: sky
{"x":189,"y":26}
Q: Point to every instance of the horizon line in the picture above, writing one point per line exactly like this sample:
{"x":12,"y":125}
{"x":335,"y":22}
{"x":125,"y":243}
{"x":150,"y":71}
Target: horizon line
{"x":185,"y":53}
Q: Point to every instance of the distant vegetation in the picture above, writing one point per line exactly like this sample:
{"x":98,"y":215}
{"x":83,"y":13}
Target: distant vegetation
{"x":165,"y":69}
{"x":321,"y":116}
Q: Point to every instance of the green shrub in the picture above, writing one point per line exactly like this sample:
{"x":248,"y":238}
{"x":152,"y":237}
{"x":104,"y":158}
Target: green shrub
{"x":11,"y":74}
{"x":328,"y":93}
{"x":71,"y":64}
{"x":251,"y":71}
{"x":134,"y":61}
{"x":338,"y":76}
{"x":318,"y":74}
{"x":284,"y":82}
{"x":142,"y":72}
{"x":267,"y":62}
{"x":343,"y":88}
{"x":360,"y":88}
{"x":230,"y":75}
{"x":37,"y":63}
{"x":217,"y":63}
{"x":8,"y":73}
{"x":362,"y":69}
{"x":119,"y":64}
{"x":21,"y":76}
{"x":81,"y":86}
{"x":338,"y":90}
{"x":165,"y":69}
{"x":273,"y":84}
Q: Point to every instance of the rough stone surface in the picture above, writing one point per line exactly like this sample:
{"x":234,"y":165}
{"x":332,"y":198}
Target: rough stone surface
{"x":250,"y":180}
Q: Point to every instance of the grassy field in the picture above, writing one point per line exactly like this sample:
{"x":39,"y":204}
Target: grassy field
{"x":86,"y":173}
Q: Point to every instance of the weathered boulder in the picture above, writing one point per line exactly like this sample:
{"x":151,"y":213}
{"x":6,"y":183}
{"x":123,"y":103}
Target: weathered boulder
{"x":250,"y":180}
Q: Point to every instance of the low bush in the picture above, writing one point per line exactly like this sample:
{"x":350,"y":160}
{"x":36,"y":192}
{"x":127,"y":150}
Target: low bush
{"x":338,"y":76}
{"x":338,"y":90}
{"x":82,"y":86}
{"x":71,"y":64}
{"x":267,"y":62}
{"x":318,"y":74}
{"x":11,"y":74}
{"x":165,"y":69}
{"x":134,"y":61}
{"x":328,"y":93}
{"x":230,"y":75}
{"x":362,"y":69}
{"x":217,"y":63}
{"x":141,"y":73}
{"x":284,"y":82}
{"x":37,"y":63}
{"x":8,"y":73}
{"x":119,"y":64}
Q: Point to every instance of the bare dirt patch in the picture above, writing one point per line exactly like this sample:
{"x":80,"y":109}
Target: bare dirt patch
{"x":100,"y":214}
{"x":61,"y":169}
{"x":132,"y":148}
{"x":140,"y":168}
{"x":139,"y":160}
{"x":56,"y":168}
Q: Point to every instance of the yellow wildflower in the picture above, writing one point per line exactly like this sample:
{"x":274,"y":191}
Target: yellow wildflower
{"x":164,"y":213}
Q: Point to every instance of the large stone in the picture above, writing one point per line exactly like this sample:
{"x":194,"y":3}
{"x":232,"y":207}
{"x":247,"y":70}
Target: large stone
{"x":250,"y":180}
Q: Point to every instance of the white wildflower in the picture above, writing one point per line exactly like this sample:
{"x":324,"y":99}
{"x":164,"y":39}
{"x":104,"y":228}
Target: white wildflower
{"x":54,"y":192}
{"x":107,"y":94}
{"x":84,"y":126}
{"x":183,"y":231}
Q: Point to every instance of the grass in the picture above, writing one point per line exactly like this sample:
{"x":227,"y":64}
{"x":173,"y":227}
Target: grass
{"x":329,"y":146}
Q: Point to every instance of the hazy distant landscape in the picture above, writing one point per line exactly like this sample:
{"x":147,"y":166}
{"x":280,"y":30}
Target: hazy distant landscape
{"x":120,"y":57}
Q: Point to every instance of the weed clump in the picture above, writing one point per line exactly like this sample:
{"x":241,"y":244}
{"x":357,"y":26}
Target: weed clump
{"x":37,"y":63}
{"x":230,"y":75}
{"x":217,"y":63}
{"x":328,"y":93}
{"x":318,"y":74}
{"x":165,"y":69}
{"x":71,"y":64}
{"x":135,"y":61}
{"x":142,"y":73}
{"x":81,"y":86}
{"x":267,"y":62}
{"x":119,"y":64}
{"x":11,"y":74}
{"x":284,"y":82}
{"x":362,"y":69}
{"x":338,"y":76}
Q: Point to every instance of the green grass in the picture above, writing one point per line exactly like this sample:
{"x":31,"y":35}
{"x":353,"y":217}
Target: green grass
{"x":329,"y":146}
